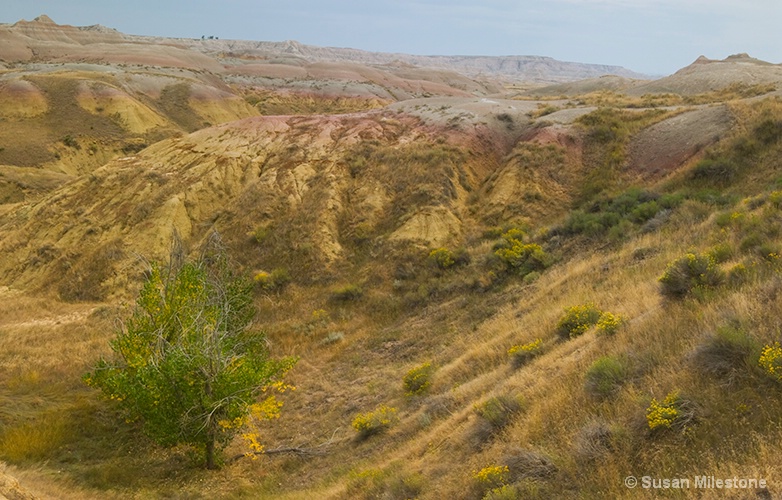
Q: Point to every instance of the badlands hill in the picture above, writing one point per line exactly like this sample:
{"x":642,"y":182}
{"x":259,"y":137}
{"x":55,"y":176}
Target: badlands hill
{"x":97,"y":91}
{"x":704,"y":75}
{"x":341,"y":185}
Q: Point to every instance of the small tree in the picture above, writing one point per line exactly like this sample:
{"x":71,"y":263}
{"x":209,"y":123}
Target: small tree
{"x":185,"y":364}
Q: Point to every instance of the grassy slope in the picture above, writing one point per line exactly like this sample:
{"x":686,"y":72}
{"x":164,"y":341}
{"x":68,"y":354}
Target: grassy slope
{"x":355,"y":355}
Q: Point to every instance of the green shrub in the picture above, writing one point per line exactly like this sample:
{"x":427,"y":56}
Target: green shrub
{"x":495,"y":232}
{"x":577,"y":320}
{"x":275,"y":280}
{"x":605,"y":376}
{"x":69,"y":141}
{"x":531,"y":277}
{"x":620,"y":214}
{"x":775,"y":198}
{"x":644,"y":212}
{"x":347,"y":293}
{"x":445,"y":259}
{"x":499,"y":411}
{"x":768,"y":251}
{"x":690,"y":272}
{"x":366,"y":483}
{"x":591,"y":224}
{"x":739,"y":274}
{"x":375,"y":422}
{"x":752,"y":241}
{"x":721,"y":252}
{"x":727,"y":354}
{"x":260,"y":234}
{"x":418,"y":379}
{"x":718,"y":171}
{"x":768,"y":131}
{"x":390,"y":484}
{"x":504,"y":492}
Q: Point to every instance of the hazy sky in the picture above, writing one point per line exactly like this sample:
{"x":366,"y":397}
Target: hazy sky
{"x":649,"y":36}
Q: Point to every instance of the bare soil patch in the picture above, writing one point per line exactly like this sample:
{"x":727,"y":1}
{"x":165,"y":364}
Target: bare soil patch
{"x":665,"y":146}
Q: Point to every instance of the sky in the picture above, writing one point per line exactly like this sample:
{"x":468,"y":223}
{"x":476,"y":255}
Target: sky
{"x":655,"y":37}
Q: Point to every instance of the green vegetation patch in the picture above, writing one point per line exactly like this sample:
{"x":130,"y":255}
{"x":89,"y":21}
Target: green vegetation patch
{"x":607,"y":132}
{"x":614,"y":217}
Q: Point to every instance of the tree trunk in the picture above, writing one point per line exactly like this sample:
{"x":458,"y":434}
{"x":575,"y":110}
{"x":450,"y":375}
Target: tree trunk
{"x":210,"y":453}
{"x":210,"y":431}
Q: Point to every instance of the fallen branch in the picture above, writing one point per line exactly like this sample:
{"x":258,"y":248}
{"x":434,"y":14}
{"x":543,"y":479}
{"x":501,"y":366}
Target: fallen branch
{"x":297,"y":450}
{"x":294,"y":450}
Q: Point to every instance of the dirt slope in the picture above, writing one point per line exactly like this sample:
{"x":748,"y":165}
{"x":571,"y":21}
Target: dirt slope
{"x":662,"y":148}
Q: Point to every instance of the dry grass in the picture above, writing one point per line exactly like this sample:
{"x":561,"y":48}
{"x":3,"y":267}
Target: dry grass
{"x":551,"y":441}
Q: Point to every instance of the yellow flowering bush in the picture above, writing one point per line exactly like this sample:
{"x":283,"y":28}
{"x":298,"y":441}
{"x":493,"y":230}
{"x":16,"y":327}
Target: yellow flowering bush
{"x":492,"y":476}
{"x":577,"y":320}
{"x":771,"y":361}
{"x":522,"y":353}
{"x":609,"y":323}
{"x":521,"y":257}
{"x":775,"y":199}
{"x":690,"y":272}
{"x":664,"y":414}
{"x":442,"y":257}
{"x":320,"y":316}
{"x":375,"y":422}
{"x":417,"y":380}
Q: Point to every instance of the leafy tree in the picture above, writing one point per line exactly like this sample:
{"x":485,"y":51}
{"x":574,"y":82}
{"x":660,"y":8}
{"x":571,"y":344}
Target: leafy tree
{"x":185,"y":364}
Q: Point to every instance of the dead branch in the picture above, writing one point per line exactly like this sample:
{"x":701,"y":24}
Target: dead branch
{"x":296,"y":450}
